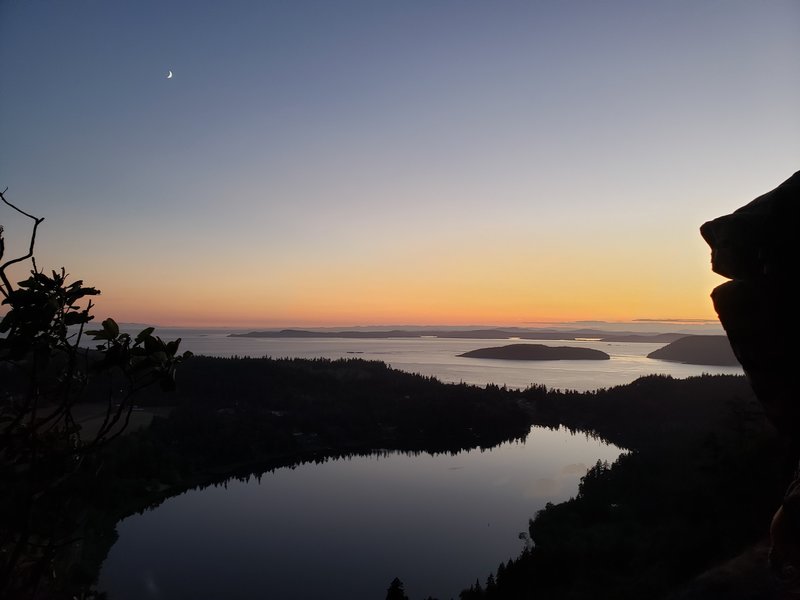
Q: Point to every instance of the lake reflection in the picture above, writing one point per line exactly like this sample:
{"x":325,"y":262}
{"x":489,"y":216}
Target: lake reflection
{"x":347,"y":527}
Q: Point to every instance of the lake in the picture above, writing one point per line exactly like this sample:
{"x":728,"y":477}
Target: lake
{"x":347,"y":527}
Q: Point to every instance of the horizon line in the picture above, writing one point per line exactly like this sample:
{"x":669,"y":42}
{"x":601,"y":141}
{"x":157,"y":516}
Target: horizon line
{"x":578,"y":324}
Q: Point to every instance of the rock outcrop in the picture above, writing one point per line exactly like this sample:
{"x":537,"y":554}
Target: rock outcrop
{"x":757,"y":248}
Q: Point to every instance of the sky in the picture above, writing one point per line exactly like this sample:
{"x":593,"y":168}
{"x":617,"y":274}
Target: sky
{"x":338,"y":163}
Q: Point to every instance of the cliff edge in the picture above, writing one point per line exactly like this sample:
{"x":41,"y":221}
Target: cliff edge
{"x":756,"y":248}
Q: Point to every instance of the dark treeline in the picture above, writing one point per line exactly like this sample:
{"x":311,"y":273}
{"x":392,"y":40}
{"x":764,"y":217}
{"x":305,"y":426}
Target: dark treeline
{"x":700,"y":483}
{"x":653,"y":410}
{"x":244,"y":415}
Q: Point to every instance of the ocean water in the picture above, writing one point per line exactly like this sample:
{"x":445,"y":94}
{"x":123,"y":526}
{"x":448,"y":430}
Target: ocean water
{"x":438,"y":357}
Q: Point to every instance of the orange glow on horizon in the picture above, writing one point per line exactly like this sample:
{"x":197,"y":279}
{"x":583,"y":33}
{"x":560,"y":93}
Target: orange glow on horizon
{"x":481,"y":291}
{"x":408,"y":308}
{"x":450,"y":279}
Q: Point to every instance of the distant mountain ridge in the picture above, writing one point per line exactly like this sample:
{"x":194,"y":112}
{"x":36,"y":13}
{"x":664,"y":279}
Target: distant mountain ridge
{"x":480,"y":334}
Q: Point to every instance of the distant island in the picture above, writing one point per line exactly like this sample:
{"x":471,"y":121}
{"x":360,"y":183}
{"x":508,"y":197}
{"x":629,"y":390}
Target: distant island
{"x":714,"y":350}
{"x":537,"y":352}
{"x":511,"y":333}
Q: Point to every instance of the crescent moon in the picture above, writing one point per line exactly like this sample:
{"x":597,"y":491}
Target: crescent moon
{"x":169,"y":75}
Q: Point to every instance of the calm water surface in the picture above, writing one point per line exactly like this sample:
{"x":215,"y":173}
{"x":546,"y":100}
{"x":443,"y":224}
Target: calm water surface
{"x":349,"y":526}
{"x":439,"y":358}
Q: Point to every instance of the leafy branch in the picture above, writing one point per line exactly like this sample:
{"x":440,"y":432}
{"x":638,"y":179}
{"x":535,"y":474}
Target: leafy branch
{"x":46,"y":371}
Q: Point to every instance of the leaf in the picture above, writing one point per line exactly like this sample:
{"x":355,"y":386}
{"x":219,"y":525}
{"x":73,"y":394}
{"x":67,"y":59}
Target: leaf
{"x":153,"y":344}
{"x":144,"y":334}
{"x":98,"y":334}
{"x":172,"y":347}
{"x":111,"y":328}
{"x":73,"y":318}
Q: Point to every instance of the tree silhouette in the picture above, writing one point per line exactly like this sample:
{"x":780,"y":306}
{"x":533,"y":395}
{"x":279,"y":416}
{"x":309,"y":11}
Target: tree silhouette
{"x":45,"y":371}
{"x":395,"y":591}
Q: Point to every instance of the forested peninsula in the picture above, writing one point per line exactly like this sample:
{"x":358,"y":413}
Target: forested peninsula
{"x":698,"y":350}
{"x":703,"y":474}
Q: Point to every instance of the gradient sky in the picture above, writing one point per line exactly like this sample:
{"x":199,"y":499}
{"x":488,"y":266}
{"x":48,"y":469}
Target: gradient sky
{"x":377,"y":162}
